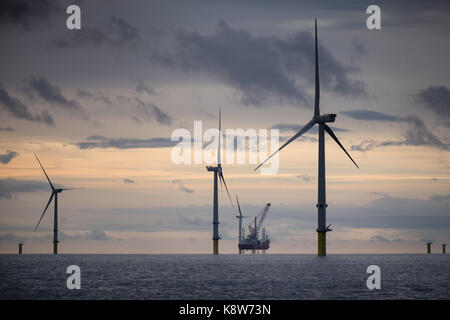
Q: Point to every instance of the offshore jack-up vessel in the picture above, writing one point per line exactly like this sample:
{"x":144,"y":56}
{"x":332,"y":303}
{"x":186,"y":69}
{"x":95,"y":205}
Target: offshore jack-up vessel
{"x":253,"y":242}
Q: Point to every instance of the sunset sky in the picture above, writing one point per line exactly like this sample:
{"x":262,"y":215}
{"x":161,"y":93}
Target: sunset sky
{"x":99,"y":105}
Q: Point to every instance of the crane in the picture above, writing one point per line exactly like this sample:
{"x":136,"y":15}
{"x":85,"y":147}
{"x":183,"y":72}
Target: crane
{"x":259,"y":219}
{"x":252,"y":241}
{"x":262,"y":215}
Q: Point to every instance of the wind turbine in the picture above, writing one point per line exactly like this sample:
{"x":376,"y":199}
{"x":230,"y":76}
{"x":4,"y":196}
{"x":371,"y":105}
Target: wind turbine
{"x":429,"y":243}
{"x":218,"y":174}
{"x":321,"y":120}
{"x":240,"y":217}
{"x":54,"y":194}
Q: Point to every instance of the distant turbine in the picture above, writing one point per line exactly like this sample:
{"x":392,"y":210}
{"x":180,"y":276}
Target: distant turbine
{"x":321,"y":121}
{"x":240,"y":217}
{"x":217,"y":174}
{"x":55,"y":218}
{"x":429,"y":243}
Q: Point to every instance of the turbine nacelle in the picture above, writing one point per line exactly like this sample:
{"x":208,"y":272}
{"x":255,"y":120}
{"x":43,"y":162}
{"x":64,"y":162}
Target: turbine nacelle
{"x":327,"y":117}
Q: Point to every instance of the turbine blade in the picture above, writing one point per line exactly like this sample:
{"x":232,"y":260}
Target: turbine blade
{"x":219,"y":173}
{"x":239,"y":207}
{"x":51,"y":185}
{"x":220,"y":134}
{"x":48,"y":203}
{"x":226,"y":188}
{"x":316,"y":63}
{"x":298,"y":134}
{"x":331,"y":133}
{"x":72,"y":188}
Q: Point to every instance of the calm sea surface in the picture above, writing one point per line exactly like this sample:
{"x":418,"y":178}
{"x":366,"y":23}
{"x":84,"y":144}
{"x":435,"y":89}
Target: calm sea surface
{"x":224,"y":276}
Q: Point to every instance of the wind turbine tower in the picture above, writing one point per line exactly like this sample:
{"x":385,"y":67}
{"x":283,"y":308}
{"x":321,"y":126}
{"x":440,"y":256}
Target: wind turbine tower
{"x":321,"y":120}
{"x":218,"y":174}
{"x":429,"y":247}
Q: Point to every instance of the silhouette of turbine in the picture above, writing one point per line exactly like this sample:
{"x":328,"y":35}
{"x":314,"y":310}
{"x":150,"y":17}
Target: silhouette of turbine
{"x":217,"y":174}
{"x":54,"y":195}
{"x":321,"y":121}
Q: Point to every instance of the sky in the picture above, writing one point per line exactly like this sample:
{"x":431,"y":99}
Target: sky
{"x":99,"y":105}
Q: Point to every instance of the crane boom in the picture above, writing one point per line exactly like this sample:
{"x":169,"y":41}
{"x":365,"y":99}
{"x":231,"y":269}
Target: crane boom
{"x":262,"y":215}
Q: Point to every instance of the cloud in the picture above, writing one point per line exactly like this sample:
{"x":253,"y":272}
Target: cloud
{"x":383,"y":212}
{"x":147,"y":111}
{"x":124,"y":143}
{"x":50,"y":93}
{"x":285,"y":220}
{"x":426,"y":217}
{"x":142,"y":87}
{"x":181,"y":186}
{"x":358,"y":47}
{"x":85,"y":94}
{"x":195,"y":222}
{"x":28,"y":13}
{"x":19,"y":110}
{"x":416,"y":134}
{"x":10,"y":186}
{"x":119,"y":33}
{"x":381,"y":194}
{"x":6,"y":158}
{"x":378,"y":238}
{"x":364,"y":146}
{"x":398,"y":213}
{"x":95,"y":234}
{"x":305,"y":177}
{"x":125,"y":32}
{"x":126,"y":180}
{"x":369,"y":115}
{"x":152,"y":111}
{"x":162,"y":218}
{"x":11,"y":237}
{"x":437,"y":100}
{"x":262,"y":70}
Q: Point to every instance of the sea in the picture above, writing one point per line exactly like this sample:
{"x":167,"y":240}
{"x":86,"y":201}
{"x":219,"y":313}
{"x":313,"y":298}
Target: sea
{"x":226,"y":276}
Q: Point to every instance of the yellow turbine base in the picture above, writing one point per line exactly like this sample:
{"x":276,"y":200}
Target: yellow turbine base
{"x":55,"y":248}
{"x":215,"y":246}
{"x":322,"y":243}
